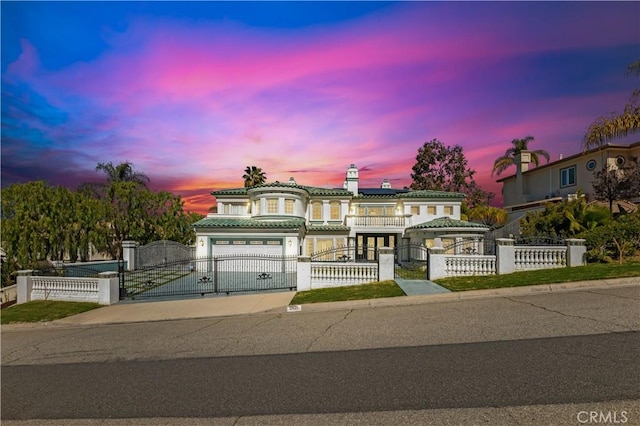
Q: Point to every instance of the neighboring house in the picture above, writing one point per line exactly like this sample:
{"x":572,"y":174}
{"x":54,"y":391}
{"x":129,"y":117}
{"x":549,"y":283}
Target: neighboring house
{"x":529,"y":190}
{"x":285,"y":218}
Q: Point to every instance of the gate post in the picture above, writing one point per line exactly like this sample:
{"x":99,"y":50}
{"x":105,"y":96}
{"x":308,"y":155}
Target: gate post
{"x":129,"y":249}
{"x":304,"y":273}
{"x":576,"y":251}
{"x":437,"y":263}
{"x":385,"y":264}
{"x":505,"y":256}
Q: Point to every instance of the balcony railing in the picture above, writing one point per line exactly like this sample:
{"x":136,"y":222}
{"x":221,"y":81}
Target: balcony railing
{"x":379,"y":221}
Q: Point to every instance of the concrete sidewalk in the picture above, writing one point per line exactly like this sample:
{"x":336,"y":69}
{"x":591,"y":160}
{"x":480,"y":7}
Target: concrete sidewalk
{"x":223,"y":306}
{"x":214,"y":306}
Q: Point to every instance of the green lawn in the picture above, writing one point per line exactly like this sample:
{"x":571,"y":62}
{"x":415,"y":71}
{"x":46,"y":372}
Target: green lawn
{"x":356,"y":292}
{"x":593,"y":271}
{"x":43,"y":310}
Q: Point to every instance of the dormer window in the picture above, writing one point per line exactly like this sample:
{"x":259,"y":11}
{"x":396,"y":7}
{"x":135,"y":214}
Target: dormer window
{"x":288,"y":206}
{"x":272,"y":205}
{"x":335,"y":210}
{"x":316,"y":211}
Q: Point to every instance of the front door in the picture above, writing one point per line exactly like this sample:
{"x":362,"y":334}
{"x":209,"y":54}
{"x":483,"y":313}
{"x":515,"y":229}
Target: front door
{"x":367,"y":245}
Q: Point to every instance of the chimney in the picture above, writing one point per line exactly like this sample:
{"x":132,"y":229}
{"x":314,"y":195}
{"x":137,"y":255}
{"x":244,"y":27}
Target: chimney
{"x":522,"y":161}
{"x":351,"y":184}
{"x":385,"y":184}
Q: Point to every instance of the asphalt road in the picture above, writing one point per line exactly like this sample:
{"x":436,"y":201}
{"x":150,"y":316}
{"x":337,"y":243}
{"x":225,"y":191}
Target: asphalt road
{"x":568,"y":348}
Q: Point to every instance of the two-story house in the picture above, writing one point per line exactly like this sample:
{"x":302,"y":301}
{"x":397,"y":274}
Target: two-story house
{"x":531,"y":189}
{"x":285,"y":218}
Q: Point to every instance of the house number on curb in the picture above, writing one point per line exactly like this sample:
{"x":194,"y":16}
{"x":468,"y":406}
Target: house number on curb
{"x":294,"y":308}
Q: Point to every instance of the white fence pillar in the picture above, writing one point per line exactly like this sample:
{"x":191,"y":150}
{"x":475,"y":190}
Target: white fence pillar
{"x":25,"y":285}
{"x":576,"y":251}
{"x":505,"y":256}
{"x":108,"y":288}
{"x":129,"y":254}
{"x":437,"y":263}
{"x":304,"y":273}
{"x":385,"y":264}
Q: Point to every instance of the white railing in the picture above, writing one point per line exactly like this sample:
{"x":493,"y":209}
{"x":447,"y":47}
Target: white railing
{"x":65,"y":288}
{"x":461,"y":265}
{"x":328,"y":274}
{"x":378,"y":221}
{"x":540,"y":257}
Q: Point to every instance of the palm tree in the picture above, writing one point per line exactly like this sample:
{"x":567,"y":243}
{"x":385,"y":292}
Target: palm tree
{"x":508,"y":159}
{"x":253,"y":176}
{"x":616,"y":125}
{"x":123,"y":172}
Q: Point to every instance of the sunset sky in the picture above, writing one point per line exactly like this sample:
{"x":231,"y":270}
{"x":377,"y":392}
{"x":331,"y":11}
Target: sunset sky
{"x":193,"y":92}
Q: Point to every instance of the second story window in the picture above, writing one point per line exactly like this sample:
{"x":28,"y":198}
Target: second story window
{"x":335,"y":210}
{"x":272,"y":205}
{"x":257,"y":210}
{"x":316,"y":211}
{"x":568,"y":176}
{"x":288,"y":206}
{"x":431,"y":210}
{"x":448,"y":210}
{"x":415,"y":210}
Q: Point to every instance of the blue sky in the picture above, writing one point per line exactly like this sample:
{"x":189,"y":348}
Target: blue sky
{"x":193,"y":92}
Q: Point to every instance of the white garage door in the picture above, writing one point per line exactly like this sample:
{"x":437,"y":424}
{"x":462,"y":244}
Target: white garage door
{"x":258,"y":246}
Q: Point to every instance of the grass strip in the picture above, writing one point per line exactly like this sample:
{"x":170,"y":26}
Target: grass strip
{"x":372,"y":290}
{"x":595,"y":271}
{"x":43,"y":310}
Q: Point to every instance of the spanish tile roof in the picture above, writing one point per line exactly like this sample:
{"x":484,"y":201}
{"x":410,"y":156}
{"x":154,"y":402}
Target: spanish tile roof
{"x":227,"y":222}
{"x":431,"y":194}
{"x":367,"y":193}
{"x":447,"y":222}
{"x":427,"y":194}
{"x":310,"y":189}
{"x":231,"y":191}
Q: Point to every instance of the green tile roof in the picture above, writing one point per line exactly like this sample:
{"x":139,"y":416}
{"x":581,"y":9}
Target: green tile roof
{"x":447,"y":222}
{"x":227,"y":222}
{"x":313,"y":190}
{"x":431,"y":194}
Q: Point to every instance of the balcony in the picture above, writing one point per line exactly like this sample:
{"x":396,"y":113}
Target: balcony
{"x":378,"y":221}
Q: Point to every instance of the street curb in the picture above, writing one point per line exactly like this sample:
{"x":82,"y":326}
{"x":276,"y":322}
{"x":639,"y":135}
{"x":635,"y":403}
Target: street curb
{"x":469,"y":295}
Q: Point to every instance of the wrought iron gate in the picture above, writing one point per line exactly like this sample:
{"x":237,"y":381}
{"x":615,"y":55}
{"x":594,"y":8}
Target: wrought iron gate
{"x":221,"y":274}
{"x":411,"y":262}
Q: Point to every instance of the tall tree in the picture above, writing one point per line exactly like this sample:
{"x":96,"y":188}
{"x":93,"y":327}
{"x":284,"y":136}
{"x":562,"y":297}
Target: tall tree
{"x":507,"y":160}
{"x":617,"y":184}
{"x":123,"y":172}
{"x":493,"y":217}
{"x":442,"y":168}
{"x":616,"y":125}
{"x":253,"y":176}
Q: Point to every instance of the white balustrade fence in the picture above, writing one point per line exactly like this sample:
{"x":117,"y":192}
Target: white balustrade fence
{"x":331,"y":274}
{"x":461,"y":265}
{"x":540,"y":257}
{"x":65,"y":288}
{"x":377,"y":221}
{"x":509,"y":258}
{"x":103,"y":290}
